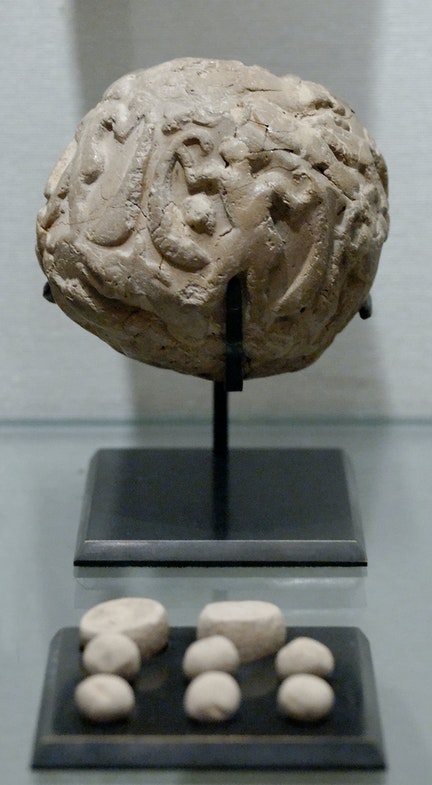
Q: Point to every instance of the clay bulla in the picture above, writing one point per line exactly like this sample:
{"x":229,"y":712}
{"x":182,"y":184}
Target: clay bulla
{"x":193,"y":172}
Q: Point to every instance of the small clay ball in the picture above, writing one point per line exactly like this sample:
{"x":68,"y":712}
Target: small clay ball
{"x":142,"y":619}
{"x":305,"y":697}
{"x":112,"y":652}
{"x":215,"y":653}
{"x":104,"y":697}
{"x":304,"y":655}
{"x":256,"y":628}
{"x":212,"y":697}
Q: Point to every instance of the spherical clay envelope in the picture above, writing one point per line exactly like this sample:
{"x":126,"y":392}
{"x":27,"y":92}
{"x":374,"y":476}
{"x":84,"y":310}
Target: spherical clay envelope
{"x":195,"y":171}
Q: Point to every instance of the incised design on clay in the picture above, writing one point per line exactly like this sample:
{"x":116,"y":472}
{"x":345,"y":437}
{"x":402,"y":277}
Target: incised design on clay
{"x":195,"y":171}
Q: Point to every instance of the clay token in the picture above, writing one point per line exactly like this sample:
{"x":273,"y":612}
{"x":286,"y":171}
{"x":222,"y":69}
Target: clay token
{"x":212,"y":697}
{"x":305,"y":697}
{"x":304,"y":655}
{"x":215,"y":653}
{"x":112,"y":652}
{"x":104,"y":697}
{"x":143,"y":620}
{"x":256,"y":628}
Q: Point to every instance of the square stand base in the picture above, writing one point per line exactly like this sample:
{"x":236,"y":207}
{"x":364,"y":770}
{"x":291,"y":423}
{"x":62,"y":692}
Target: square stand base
{"x":159,"y":735}
{"x":183,"y":507}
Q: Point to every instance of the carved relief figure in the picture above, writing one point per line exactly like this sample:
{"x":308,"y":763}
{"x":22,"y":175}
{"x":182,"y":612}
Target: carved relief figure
{"x":192,"y":172}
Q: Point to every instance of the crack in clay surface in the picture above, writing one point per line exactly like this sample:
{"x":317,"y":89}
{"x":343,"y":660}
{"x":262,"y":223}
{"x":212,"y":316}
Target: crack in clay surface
{"x":192,"y":172}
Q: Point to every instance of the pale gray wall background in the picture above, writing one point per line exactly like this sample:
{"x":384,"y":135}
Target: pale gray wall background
{"x":58,"y":57}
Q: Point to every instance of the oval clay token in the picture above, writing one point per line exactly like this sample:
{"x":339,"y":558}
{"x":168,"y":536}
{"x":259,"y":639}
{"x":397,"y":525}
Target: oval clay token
{"x":305,"y":697}
{"x":112,"y":652}
{"x":213,"y":696}
{"x":144,"y":620}
{"x":215,"y":653}
{"x":304,"y":655}
{"x":256,"y":628}
{"x":104,"y":697}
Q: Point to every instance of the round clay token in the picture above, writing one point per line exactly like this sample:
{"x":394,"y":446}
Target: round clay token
{"x":305,"y":697}
{"x":112,"y":652}
{"x":143,"y":620}
{"x":304,"y":655}
{"x":212,"y":697}
{"x":104,"y":697}
{"x":215,"y":653}
{"x":256,"y":628}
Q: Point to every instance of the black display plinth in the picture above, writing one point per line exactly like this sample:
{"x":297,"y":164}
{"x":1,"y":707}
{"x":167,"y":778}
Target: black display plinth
{"x":159,"y":735}
{"x":192,"y":506}
{"x":220,"y":506}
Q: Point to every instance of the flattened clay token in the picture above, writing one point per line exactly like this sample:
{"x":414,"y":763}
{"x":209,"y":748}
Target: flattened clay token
{"x":104,"y":697}
{"x":304,"y":655}
{"x":112,"y":652}
{"x":212,"y":697}
{"x":305,"y":697}
{"x":215,"y":653}
{"x":143,"y":620}
{"x":256,"y":628}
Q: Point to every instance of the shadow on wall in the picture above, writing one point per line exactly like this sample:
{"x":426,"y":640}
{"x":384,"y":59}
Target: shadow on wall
{"x":332,"y":43}
{"x":103,"y":46}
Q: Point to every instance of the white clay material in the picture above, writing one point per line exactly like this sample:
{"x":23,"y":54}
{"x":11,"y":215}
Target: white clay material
{"x":144,"y":620}
{"x":215,"y":653}
{"x":192,"y":172}
{"x":104,"y":697}
{"x":256,"y":628}
{"x":305,"y":697}
{"x":112,"y":652}
{"x":212,"y":697}
{"x":304,"y":655}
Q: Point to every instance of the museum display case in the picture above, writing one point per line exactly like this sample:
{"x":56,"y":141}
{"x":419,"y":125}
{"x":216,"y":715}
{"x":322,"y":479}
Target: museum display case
{"x":43,"y":479}
{"x":219,"y":220}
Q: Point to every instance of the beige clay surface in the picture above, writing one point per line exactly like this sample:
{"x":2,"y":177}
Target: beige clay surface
{"x":104,"y":697}
{"x":112,"y":652}
{"x":195,"y":171}
{"x":305,"y":697}
{"x":144,"y":620}
{"x":256,"y":628}
{"x":213,"y":696}
{"x":304,"y":655}
{"x":214,"y":653}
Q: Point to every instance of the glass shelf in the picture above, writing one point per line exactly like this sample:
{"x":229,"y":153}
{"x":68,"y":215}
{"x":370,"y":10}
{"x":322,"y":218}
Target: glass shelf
{"x":42,"y":477}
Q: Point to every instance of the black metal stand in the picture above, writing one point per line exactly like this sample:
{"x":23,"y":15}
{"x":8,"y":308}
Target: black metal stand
{"x":243,"y":507}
